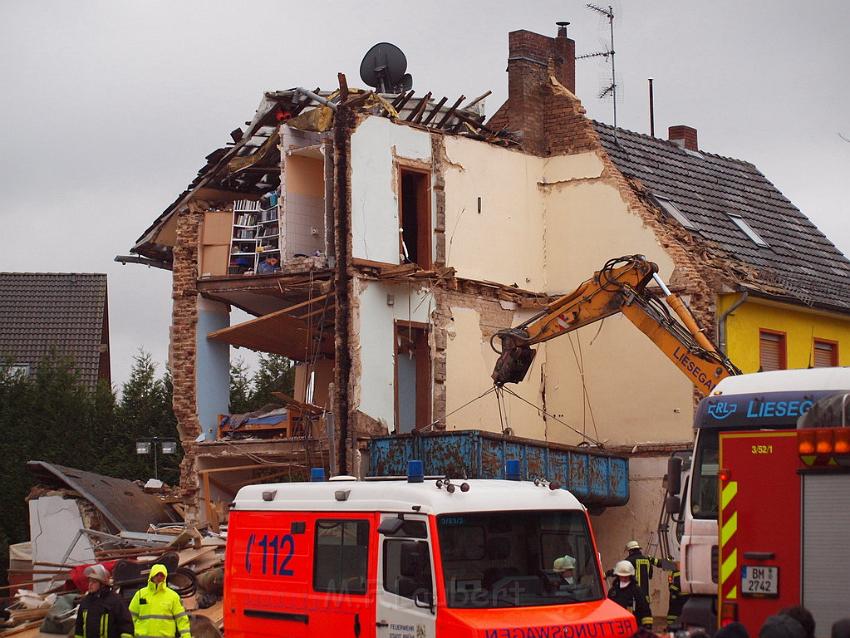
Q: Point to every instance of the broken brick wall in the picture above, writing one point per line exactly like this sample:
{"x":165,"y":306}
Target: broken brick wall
{"x":184,"y":319}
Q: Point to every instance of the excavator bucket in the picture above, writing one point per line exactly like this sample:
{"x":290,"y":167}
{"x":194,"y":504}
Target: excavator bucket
{"x":513,"y":365}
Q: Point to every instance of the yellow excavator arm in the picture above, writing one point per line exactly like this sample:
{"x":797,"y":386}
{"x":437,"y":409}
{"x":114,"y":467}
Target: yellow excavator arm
{"x":620,"y":286}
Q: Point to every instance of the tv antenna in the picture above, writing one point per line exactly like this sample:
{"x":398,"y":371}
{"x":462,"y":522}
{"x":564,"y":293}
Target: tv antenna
{"x":384,"y":67}
{"x":608,"y":54}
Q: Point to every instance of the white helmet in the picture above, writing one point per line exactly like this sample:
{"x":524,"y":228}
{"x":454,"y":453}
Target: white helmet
{"x":563,"y":563}
{"x":632,"y":545}
{"x":624,"y":568}
{"x":97,"y":572}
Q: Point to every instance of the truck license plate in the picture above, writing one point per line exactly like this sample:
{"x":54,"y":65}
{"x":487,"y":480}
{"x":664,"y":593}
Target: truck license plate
{"x":759,"y":581}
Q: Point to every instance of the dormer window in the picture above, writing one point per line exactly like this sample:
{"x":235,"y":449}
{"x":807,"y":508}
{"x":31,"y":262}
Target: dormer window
{"x":671,"y":210}
{"x":748,"y":231}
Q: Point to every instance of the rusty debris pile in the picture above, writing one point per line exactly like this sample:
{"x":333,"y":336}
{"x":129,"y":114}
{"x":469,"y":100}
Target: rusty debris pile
{"x":79,"y":519}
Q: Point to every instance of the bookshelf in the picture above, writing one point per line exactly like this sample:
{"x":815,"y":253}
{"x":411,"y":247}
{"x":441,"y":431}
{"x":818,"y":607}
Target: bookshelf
{"x":256,"y":234}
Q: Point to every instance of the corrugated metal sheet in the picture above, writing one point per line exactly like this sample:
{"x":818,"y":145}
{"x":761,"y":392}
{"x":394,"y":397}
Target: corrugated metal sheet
{"x":595,"y":478}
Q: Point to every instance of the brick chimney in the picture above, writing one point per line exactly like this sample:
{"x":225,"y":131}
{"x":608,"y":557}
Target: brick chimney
{"x":683,"y":136}
{"x":528,"y":76}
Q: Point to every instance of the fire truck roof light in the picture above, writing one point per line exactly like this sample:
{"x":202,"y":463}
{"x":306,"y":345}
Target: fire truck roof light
{"x":512,"y":470}
{"x":317,"y":474}
{"x":805,"y":442}
{"x":823,"y":441}
{"x":842,"y":441}
{"x":415,"y":471}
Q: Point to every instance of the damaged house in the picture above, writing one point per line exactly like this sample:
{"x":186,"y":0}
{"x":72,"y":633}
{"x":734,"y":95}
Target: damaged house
{"x":409,"y":229}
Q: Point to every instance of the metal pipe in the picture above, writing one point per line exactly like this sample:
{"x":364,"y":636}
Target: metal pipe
{"x":721,"y":322}
{"x":651,"y":111}
{"x":678,"y":306}
{"x":315,"y":97}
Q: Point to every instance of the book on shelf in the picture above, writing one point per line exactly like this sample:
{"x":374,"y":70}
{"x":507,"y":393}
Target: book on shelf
{"x":246,"y":205}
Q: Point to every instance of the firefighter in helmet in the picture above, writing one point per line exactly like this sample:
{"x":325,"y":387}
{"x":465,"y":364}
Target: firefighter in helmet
{"x":643,"y":568}
{"x":625,"y":592}
{"x":102,"y":613}
{"x":677,"y":597}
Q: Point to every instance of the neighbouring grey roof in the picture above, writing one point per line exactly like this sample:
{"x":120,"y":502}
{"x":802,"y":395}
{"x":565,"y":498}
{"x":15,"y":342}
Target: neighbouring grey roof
{"x":123,"y":503}
{"x":799,"y":259}
{"x":65,"y":311}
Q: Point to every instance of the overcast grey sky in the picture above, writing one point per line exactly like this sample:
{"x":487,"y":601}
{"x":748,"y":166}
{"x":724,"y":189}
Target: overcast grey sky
{"x":109,"y":107}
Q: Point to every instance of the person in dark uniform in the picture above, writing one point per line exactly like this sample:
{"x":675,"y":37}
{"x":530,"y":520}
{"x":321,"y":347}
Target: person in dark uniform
{"x":625,"y":592}
{"x":102,"y":613}
{"x":677,"y":597}
{"x":643,"y":568}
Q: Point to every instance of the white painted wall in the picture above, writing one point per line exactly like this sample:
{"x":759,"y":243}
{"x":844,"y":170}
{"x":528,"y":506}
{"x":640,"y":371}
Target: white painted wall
{"x":54,"y":522}
{"x":374,"y":201}
{"x":377,"y":340}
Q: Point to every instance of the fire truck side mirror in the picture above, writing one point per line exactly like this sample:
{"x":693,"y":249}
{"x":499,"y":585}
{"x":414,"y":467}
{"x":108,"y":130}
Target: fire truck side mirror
{"x":674,"y":475}
{"x":674,"y":505}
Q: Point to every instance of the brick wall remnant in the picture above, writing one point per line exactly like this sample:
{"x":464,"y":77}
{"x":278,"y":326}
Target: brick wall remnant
{"x":530,"y":57}
{"x":184,"y":319}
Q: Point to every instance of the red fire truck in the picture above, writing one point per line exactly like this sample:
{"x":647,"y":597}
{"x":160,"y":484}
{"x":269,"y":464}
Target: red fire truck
{"x":415,"y":558}
{"x":784,"y":514}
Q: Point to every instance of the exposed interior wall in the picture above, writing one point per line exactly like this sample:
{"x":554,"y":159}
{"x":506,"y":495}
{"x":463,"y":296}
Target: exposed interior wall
{"x":637,"y":520}
{"x":801,"y":328}
{"x":213,"y":366}
{"x":469,"y":362}
{"x":503,"y":240}
{"x":376,"y":144}
{"x":376,"y":348}
{"x":304,"y":203}
{"x":324,"y":376}
{"x":587,"y":223}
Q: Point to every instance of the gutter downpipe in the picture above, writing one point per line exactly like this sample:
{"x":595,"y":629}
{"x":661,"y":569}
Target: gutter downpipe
{"x":721,"y":322}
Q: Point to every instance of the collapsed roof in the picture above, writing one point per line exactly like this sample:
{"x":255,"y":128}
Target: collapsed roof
{"x":250,"y":165}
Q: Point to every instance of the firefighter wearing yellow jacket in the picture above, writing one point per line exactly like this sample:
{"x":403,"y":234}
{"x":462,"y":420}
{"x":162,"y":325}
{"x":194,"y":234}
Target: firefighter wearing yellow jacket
{"x":157,"y":611}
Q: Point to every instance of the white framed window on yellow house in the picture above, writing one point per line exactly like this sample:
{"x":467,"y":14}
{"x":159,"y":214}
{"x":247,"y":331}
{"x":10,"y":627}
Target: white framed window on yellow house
{"x":772,"y":350}
{"x":825,"y":353}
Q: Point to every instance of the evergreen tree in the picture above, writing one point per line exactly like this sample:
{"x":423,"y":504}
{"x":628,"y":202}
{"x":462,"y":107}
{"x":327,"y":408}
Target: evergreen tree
{"x":240,"y":387}
{"x":274,"y":374}
{"x":144,"y":413}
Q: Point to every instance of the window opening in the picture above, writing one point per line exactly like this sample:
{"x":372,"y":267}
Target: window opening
{"x":407,"y":568}
{"x":415,"y":218}
{"x":412,"y":378}
{"x":340,"y":563}
{"x":706,"y":467}
{"x":771,"y":351}
{"x":826,"y":354}
{"x":670,"y":208}
{"x":747,"y":230}
{"x":504,"y":559}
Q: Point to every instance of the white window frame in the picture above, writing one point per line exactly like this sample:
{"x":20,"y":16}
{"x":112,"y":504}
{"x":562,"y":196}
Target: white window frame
{"x":741,"y":223}
{"x":671,"y":209}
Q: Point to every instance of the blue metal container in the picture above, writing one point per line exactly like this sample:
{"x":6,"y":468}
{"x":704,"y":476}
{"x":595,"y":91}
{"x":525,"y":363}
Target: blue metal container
{"x":595,"y":478}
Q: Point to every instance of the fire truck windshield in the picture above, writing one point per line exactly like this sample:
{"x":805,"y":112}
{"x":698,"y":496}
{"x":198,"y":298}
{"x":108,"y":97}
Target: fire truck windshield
{"x":704,"y":484}
{"x":507,"y":559}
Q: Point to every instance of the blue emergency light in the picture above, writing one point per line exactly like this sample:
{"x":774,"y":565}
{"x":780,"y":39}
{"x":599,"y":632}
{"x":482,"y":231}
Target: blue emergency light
{"x":317,"y":474}
{"x":512,"y":471}
{"x":415,"y":472}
